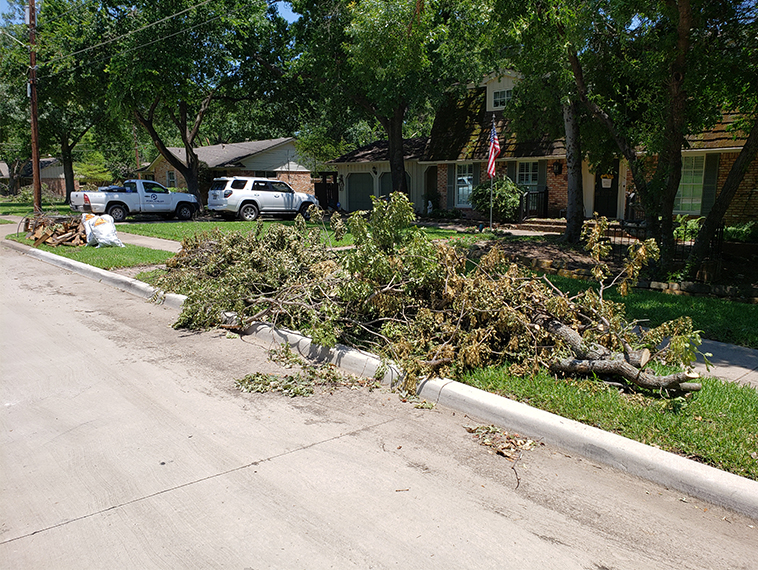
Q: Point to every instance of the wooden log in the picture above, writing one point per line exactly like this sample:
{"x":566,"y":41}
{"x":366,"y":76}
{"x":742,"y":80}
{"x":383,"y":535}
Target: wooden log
{"x":45,"y":235}
{"x":638,"y":358}
{"x":57,"y":240}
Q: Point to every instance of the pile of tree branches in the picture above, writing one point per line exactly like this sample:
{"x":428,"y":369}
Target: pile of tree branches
{"x":425,"y":305}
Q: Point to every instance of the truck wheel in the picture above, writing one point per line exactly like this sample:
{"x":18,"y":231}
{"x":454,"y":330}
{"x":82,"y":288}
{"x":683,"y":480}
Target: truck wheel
{"x":249,"y":212}
{"x":117,"y":212}
{"x":184,"y":211}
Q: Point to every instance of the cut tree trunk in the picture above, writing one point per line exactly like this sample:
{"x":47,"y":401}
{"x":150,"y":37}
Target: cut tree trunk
{"x":596,"y":359}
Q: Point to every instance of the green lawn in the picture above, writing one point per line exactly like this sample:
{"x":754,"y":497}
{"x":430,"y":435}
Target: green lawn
{"x":179,"y":230}
{"x":24,"y":209}
{"x":718,"y":319}
{"x":716,"y":426}
{"x":105,"y":257}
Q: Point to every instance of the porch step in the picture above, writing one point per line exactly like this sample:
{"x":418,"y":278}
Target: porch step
{"x":543,"y":225}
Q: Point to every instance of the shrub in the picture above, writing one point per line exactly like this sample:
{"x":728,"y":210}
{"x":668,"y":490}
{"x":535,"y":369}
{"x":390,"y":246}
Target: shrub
{"x":26,"y":194}
{"x":506,"y":197}
{"x":747,"y":232}
{"x":687,"y":228}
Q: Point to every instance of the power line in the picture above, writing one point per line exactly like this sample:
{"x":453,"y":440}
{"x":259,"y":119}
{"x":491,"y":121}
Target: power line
{"x":107,"y":58}
{"x":122,"y":36}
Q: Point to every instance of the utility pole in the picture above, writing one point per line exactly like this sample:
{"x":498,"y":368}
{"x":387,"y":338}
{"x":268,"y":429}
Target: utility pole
{"x":36,"y":182}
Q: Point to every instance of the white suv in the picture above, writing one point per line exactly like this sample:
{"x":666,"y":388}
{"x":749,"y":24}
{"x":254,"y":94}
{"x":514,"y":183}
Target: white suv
{"x":248,"y":198}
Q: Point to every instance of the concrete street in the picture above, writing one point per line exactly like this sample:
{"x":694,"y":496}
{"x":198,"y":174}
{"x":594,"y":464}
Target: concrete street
{"x":124,"y":444}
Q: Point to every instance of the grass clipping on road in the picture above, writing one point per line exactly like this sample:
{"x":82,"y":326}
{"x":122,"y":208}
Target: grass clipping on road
{"x":304,"y":380}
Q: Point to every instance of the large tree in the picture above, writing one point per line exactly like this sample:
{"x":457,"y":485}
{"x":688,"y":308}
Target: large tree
{"x":735,"y":78}
{"x":390,"y":58}
{"x":72,"y":79}
{"x":15,"y":147}
{"x":545,"y":101}
{"x":174,"y":64}
{"x":15,"y":140}
{"x":645,"y":70}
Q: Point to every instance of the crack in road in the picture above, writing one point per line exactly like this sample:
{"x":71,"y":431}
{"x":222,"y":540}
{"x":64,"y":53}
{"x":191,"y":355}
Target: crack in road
{"x":200,"y":480}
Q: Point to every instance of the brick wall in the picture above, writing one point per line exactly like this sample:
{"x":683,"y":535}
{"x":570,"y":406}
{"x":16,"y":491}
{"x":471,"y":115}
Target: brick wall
{"x":442,"y":185}
{"x":58,"y":185}
{"x":557,"y":191}
{"x":160,"y":174}
{"x":744,"y":206}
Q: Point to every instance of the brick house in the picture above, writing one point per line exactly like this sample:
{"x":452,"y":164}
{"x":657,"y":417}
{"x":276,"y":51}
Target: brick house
{"x":51,"y":174}
{"x":454,"y":159}
{"x":275,"y":158}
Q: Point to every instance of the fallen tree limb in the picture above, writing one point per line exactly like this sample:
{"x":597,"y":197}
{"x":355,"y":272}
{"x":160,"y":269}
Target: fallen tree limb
{"x":620,"y":367}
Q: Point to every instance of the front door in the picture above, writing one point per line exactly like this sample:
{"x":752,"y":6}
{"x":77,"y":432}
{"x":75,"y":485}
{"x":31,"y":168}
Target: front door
{"x":606,"y":192}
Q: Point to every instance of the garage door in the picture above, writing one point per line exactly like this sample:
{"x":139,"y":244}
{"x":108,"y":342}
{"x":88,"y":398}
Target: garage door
{"x":360,"y":187}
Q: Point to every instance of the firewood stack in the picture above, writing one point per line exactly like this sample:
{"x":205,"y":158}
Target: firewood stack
{"x":56,"y":230}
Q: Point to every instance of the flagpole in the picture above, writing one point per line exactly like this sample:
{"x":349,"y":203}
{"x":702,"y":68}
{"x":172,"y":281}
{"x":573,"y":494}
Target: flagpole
{"x":491,"y":166}
{"x":491,"y":184}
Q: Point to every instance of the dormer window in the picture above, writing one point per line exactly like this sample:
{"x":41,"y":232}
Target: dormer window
{"x":501,"y":98}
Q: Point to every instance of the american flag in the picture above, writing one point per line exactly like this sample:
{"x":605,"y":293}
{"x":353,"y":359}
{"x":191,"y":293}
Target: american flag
{"x":494,"y":150}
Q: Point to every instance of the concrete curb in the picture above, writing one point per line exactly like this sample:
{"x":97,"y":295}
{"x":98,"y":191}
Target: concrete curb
{"x":348,"y":359}
{"x":661,"y":467}
{"x":667,"y":469}
{"x":122,"y":282}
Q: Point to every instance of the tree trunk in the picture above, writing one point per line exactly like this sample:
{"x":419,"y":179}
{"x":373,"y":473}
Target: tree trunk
{"x":723,"y":200}
{"x":394,"y":128}
{"x":14,"y":174}
{"x":67,"y":156}
{"x":575,"y":204}
{"x":190,"y":170}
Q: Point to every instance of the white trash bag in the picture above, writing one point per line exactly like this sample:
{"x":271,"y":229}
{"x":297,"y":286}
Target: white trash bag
{"x":100,"y":230}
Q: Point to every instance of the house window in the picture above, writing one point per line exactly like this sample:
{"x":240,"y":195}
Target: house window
{"x":689,"y":197}
{"x":528,"y":174}
{"x":464,"y":183}
{"x":501,"y":98}
{"x":171,"y":179}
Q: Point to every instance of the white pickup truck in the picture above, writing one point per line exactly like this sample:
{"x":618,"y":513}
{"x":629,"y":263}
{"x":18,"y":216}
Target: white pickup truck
{"x":135,"y":197}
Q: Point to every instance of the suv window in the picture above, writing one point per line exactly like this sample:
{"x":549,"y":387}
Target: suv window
{"x":218,"y":185}
{"x":260,"y":185}
{"x":239,"y":184}
{"x":281,"y":187}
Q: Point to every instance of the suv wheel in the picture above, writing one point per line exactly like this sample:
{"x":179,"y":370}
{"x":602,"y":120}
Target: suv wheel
{"x":249,"y":212}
